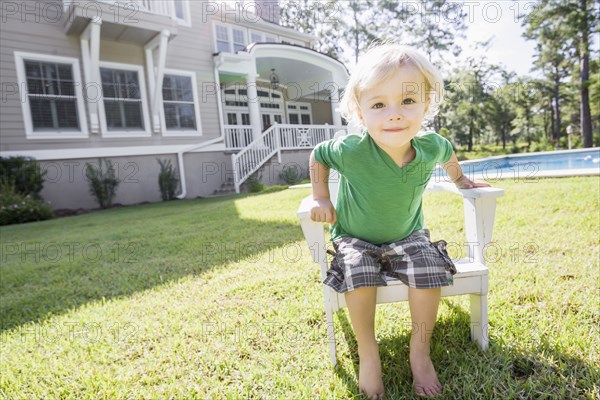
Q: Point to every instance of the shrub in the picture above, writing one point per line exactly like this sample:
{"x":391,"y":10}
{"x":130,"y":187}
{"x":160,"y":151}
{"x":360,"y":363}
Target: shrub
{"x":167,"y":180}
{"x":292,"y":174}
{"x":17,"y":207}
{"x":103,"y":184}
{"x":255,"y":184}
{"x":24,"y":174}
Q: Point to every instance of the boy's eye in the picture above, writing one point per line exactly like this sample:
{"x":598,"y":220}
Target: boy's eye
{"x":408,"y":101}
{"x":378,"y":105}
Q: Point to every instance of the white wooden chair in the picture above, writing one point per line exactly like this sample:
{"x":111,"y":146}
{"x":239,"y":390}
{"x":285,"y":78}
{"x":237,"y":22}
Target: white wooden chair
{"x":472,"y":274}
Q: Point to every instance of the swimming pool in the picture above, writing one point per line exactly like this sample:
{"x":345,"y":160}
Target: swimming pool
{"x":533,"y":165}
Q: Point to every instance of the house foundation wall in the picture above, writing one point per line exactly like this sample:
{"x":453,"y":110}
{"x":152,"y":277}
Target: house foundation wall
{"x":66,"y":185}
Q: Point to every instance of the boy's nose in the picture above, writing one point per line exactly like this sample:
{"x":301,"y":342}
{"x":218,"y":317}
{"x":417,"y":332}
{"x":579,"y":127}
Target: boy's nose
{"x":395,"y":115}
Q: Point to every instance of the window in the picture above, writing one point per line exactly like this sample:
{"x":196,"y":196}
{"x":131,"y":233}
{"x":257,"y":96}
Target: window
{"x":124,"y":100}
{"x":256,"y":37}
{"x":222,"y":39}
{"x":239,"y":40}
{"x":180,"y":112}
{"x":229,"y":39}
{"x":231,"y":119}
{"x":245,"y":119}
{"x":52,"y":99}
{"x":299,"y":113}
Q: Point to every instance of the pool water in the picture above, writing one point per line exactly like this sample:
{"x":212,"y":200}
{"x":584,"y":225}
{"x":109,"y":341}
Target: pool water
{"x":570,"y":162}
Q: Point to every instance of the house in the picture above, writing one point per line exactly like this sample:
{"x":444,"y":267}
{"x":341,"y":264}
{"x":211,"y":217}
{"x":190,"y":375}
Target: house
{"x":219,"y":88}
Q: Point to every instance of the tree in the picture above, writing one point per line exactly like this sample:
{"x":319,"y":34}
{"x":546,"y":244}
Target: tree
{"x":319,"y":18}
{"x":430,"y":25}
{"x":560,"y":26}
{"x":500,"y":109}
{"x":464,"y":111}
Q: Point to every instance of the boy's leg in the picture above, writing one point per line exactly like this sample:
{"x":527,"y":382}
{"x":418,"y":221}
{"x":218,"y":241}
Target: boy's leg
{"x":423,"y":305}
{"x":361,"y":306}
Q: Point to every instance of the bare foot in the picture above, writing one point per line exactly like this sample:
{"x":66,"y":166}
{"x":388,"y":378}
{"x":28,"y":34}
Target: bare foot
{"x":369,"y":379}
{"x":424,"y":377}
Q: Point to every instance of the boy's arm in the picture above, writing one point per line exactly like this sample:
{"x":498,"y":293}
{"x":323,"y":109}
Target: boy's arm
{"x":457,"y":177}
{"x":322,"y":210}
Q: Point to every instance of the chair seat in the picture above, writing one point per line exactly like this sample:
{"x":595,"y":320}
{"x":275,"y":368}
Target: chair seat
{"x":470,"y":278}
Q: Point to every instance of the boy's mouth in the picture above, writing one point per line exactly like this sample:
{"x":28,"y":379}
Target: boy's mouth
{"x":394,"y":130}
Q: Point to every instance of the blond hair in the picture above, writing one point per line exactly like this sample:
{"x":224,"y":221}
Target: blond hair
{"x":380,"y":62}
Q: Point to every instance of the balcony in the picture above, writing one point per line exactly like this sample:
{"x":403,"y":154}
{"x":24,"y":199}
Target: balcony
{"x":290,"y":137}
{"x":131,"y":21}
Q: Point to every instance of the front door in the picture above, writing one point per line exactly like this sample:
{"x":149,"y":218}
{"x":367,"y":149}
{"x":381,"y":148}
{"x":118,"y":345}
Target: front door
{"x":269,"y":118}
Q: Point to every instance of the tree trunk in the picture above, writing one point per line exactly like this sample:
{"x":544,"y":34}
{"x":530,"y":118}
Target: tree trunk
{"x":528,"y":123}
{"x":584,"y":70}
{"x":470,"y":136}
{"x":552,"y":119}
{"x":557,"y":108}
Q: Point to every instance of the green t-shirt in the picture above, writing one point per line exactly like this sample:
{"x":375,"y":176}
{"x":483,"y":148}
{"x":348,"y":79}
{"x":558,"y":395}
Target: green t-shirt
{"x":379,"y":201}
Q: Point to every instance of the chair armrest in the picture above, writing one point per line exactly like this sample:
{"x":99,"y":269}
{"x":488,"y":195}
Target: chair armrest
{"x":466,"y":193}
{"x":304,"y":209}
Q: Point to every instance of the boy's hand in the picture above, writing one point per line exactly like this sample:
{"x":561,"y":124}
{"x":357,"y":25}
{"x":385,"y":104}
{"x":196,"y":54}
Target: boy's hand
{"x":465,"y":183}
{"x":323,"y":211}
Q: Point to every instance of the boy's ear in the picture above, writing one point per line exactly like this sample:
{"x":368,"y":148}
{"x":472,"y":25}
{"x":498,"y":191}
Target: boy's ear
{"x":360,"y":116}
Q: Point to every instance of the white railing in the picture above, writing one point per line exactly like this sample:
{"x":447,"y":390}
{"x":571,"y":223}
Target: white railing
{"x":305,"y":136}
{"x":270,"y":142}
{"x":161,"y":7}
{"x":238,"y":136}
{"x":250,"y":159}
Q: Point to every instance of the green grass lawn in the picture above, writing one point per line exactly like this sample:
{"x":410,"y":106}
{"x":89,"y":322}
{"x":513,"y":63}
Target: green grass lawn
{"x":218,"y":299}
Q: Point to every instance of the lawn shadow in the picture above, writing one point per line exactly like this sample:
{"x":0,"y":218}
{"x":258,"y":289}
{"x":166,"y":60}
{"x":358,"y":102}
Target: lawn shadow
{"x":69,"y":262}
{"x":467,"y":372}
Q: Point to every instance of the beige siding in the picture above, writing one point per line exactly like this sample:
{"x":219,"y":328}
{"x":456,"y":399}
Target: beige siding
{"x":190,"y":50}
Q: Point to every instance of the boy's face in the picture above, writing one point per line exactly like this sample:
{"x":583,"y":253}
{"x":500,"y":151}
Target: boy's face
{"x":392,"y":110}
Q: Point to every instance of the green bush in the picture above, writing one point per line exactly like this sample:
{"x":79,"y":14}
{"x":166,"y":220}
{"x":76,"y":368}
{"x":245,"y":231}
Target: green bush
{"x":17,"y":207}
{"x":103,"y":184}
{"x":254,"y":182}
{"x":292,"y":174}
{"x":24,"y":174}
{"x":543,"y":145}
{"x":167,"y":180}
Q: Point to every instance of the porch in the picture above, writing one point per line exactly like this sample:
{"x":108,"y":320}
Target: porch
{"x":271,"y":142}
{"x":288,"y":136}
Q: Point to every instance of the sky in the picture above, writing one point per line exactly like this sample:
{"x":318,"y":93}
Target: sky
{"x":498,"y":20}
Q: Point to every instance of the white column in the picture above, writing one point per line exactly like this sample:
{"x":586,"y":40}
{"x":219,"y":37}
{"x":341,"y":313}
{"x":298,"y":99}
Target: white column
{"x":335,"y":104}
{"x":253,"y":105}
{"x":90,"y":56}
{"x":156,"y":73}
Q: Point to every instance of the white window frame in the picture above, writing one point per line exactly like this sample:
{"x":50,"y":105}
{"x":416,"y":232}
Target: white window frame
{"x":179,"y":132}
{"x":230,"y":39}
{"x":298,"y":111}
{"x":20,"y":58}
{"x":187,"y":19}
{"x":264,"y":37}
{"x":147,"y":131}
{"x":257,"y":33}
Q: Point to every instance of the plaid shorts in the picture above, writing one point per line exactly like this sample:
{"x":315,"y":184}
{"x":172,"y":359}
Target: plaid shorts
{"x":414,"y":260}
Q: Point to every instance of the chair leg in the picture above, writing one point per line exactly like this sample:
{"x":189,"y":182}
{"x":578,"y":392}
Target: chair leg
{"x":479,"y":320}
{"x":331,"y":335}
